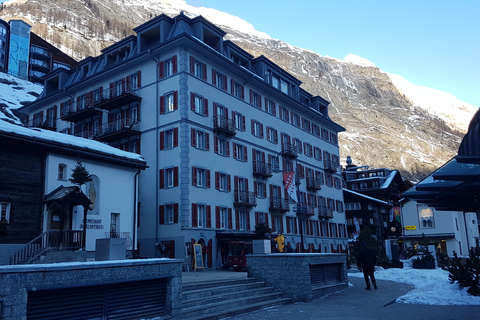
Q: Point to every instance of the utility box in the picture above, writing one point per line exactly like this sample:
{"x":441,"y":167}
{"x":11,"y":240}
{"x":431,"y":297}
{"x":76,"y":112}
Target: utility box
{"x":261,"y":246}
{"x":110,"y":249}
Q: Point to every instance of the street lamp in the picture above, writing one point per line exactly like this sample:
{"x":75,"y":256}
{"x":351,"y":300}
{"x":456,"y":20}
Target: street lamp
{"x":276,"y":169}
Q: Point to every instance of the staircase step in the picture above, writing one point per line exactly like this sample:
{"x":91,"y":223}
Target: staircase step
{"x":209,"y":284}
{"x":210,"y":291}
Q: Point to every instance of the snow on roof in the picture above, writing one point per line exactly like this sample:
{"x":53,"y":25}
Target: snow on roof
{"x":367,"y":197}
{"x":389,"y":179}
{"x":67,"y":140}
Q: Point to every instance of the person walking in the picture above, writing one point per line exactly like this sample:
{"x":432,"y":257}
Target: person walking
{"x":366,"y":262}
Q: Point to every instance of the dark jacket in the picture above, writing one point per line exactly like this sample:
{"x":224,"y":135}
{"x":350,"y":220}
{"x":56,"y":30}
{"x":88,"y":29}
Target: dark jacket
{"x":366,"y":258}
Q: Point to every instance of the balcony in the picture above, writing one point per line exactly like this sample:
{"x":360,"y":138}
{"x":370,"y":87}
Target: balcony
{"x":279,"y":204}
{"x":79,"y":111}
{"x":117,"y":130}
{"x":112,"y":98}
{"x":330,"y":166}
{"x":222,"y":125}
{"x":244,"y":199}
{"x":289,"y":150}
{"x":306,"y":209}
{"x":313,"y":184}
{"x":49,"y":123}
{"x":325,"y":213}
{"x":261,"y":170}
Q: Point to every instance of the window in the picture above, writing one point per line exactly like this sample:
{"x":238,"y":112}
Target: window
{"x":308,"y":149}
{"x":273,"y":161}
{"x":257,"y":129}
{"x":262,"y":218}
{"x":222,"y":146}
{"x":306,"y":125}
{"x":425,"y":216}
{"x":239,"y":152}
{"x":239,"y":120}
{"x":219,"y":80}
{"x":62,"y":171}
{"x":198,"y":69}
{"x":200,"y":139}
{"x":169,"y":139}
{"x":275,"y":81}
{"x":134,"y":81}
{"x":284,"y":87}
{"x":284,"y":114}
{"x":352,"y":206}
{"x":295,"y":120}
{"x":255,"y":99}
{"x":325,"y":134}
{"x":169,"y":102}
{"x":223,"y":216}
{"x":242,"y":219}
{"x":278,"y":223}
{"x":201,"y":177}
{"x":238,"y":90}
{"x":297,"y":144}
{"x":270,"y":107}
{"x":4,"y":212}
{"x":260,"y":189}
{"x":222,"y":181}
{"x":169,"y":177}
{"x":317,"y":153}
{"x":168,"y":68}
{"x":315,"y":130}
{"x":114,"y":225}
{"x":169,"y":213}
{"x":199,"y":104}
{"x":272,"y":135}
{"x":201,"y":215}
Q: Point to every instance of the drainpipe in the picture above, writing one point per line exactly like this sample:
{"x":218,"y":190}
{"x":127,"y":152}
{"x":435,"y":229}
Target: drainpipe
{"x":466,"y":232}
{"x":135,"y":210}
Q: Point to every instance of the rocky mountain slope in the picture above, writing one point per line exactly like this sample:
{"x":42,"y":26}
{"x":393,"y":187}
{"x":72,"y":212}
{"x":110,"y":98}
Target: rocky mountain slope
{"x":390,"y":122}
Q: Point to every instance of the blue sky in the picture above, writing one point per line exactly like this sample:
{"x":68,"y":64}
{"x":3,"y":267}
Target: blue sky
{"x":432,"y":43}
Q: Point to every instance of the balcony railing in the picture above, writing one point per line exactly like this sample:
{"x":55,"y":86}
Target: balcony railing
{"x":279,"y":204}
{"x":261,"y":169}
{"x":115,"y":97}
{"x":119,"y":129}
{"x":305,"y":209}
{"x":223,"y":125}
{"x":49,"y":123}
{"x":330,"y":166}
{"x":325,"y":212}
{"x":244,"y":198}
{"x":314,"y":183}
{"x":289,"y":150}
{"x":80,"y":110}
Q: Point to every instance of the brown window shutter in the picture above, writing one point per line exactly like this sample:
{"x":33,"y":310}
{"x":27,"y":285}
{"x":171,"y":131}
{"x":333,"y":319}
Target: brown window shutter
{"x":209,"y":217}
{"x":207,"y":141}
{"x":161,"y":215}
{"x":194,"y":215}
{"x":162,"y":105}
{"x":174,"y":62}
{"x":192,"y":65}
{"x":217,"y":180}
{"x":175,"y":176}
{"x":175,"y":100}
{"x":175,"y":137}
{"x":230,"y":218}
{"x":161,"y":70}
{"x":217,"y":216}
{"x":162,"y":140}
{"x":162,"y":178}
{"x":237,"y":220}
{"x":192,"y":101}
{"x":205,"y":107}
{"x":193,"y":134}
{"x":194,"y":176}
{"x":204,"y":71}
{"x":229,"y":185}
{"x":208,"y":178}
{"x":175,"y":213}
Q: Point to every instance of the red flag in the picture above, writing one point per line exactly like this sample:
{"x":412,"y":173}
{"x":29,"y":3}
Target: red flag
{"x":289,"y":181}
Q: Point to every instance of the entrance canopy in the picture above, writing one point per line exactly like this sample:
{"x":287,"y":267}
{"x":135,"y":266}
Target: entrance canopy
{"x":456,"y":185}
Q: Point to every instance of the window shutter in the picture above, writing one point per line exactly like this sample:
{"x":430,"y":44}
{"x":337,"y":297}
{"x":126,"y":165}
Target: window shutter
{"x":139,"y":77}
{"x":194,"y":176}
{"x":217,"y":216}
{"x":174,"y":62}
{"x":225,"y":82}
{"x":296,"y":224}
{"x":175,"y":177}
{"x":214,"y":77}
{"x":255,"y":188}
{"x":229,"y":185}
{"x":209,"y":218}
{"x":227,"y":146}
{"x":257,"y":219}
{"x":217,"y":180}
{"x":234,"y":146}
{"x":162,"y":105}
{"x":193,"y":134}
{"x":248,"y":220}
{"x":194,"y":215}
{"x":232,"y":86}
{"x":261,"y":130}
{"x":204,"y":71}
{"x":162,"y":178}
{"x":208,"y":178}
{"x":207,"y":141}
{"x":230,"y":218}
{"x":192,"y":65}
{"x":243,"y":92}
{"x":243,"y":123}
{"x":215,"y":144}
{"x":237,"y":220}
{"x":161,"y":214}
{"x":251,"y":96}
{"x":274,"y":227}
{"x":205,"y":107}
{"x":266,"y":219}
{"x":175,"y":100}
{"x":175,"y":213}
{"x":175,"y":137}
{"x":245,"y":153}
{"x":161,"y":70}
{"x":192,"y":101}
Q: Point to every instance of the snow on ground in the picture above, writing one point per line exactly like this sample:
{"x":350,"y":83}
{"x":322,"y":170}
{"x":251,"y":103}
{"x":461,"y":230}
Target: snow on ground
{"x":432,"y":286}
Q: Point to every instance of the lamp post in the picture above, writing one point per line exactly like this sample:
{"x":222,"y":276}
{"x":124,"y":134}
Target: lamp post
{"x":276,"y":169}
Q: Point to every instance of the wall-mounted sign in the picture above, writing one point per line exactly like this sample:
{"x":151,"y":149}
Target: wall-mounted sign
{"x":410,"y":227}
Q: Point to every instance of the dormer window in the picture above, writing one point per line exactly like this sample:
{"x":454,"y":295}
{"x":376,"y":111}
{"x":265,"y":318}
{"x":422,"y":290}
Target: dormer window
{"x":284,"y":87}
{"x":275,"y":82}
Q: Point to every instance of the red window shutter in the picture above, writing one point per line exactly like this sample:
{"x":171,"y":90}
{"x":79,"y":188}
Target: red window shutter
{"x":217,"y":216}
{"x":229,"y":185}
{"x":175,"y":137}
{"x":162,"y":105}
{"x":175,"y":213}
{"x":268,"y":135}
{"x":193,"y":133}
{"x":161,"y":215}
{"x":227,"y":146}
{"x":246,"y":184}
{"x":174,"y":62}
{"x":209,"y":217}
{"x":217,"y":180}
{"x":245,"y":153}
{"x":251,"y":96}
{"x":243,"y":123}
{"x":194,"y":176}
{"x":214,"y":77}
{"x":230,"y":219}
{"x":194,"y":215}
{"x":255,"y":188}
{"x":123,"y":85}
{"x":162,"y":140}
{"x":248,"y":220}
{"x":237,"y":220}
{"x":243,"y":92}
{"x":234,"y":146}
{"x":175,"y":100}
{"x":252,"y":122}
{"x":162,"y":178}
{"x":192,"y":65}
{"x":127,"y":84}
{"x":192,"y":101}
{"x":204,"y":71}
{"x":225,"y":81}
{"x":175,"y":176}
{"x":208,"y":178}
{"x":205,"y":107}
{"x":215,"y":144}
{"x":207,"y":141}
{"x":232,"y":86}
{"x":161,"y":70}
{"x":261,"y":130}
{"x":139,"y":77}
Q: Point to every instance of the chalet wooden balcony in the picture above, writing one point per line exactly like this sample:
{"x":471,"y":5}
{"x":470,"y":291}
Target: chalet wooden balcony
{"x":313,"y":184}
{"x":330,"y":166}
{"x":279,"y":205}
{"x":304,"y":208}
{"x":117,"y":130}
{"x":79,"y":111}
{"x":223,"y":125}
{"x":289,"y":150}
{"x":244,"y":199}
{"x":325,"y":212}
{"x":261,"y":170}
{"x":112,"y":98}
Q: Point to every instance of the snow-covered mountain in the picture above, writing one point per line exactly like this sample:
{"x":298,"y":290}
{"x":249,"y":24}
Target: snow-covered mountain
{"x":390,"y":122}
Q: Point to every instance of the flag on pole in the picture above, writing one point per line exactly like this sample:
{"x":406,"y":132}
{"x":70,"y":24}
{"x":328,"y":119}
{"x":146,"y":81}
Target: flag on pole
{"x":289,"y":181}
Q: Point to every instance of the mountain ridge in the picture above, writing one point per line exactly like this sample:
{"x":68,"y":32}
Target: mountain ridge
{"x":386,"y":124}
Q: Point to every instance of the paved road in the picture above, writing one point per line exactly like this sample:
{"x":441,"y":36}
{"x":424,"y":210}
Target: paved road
{"x":357,"y":303}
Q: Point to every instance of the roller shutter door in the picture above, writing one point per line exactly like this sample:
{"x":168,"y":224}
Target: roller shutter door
{"x":127,"y":300}
{"x":325,"y":275}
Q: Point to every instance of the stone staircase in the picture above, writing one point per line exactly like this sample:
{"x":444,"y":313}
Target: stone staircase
{"x":227,"y":298}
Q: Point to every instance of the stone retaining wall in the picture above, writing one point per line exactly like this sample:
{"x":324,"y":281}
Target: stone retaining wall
{"x":289,"y":273}
{"x":16,"y":281}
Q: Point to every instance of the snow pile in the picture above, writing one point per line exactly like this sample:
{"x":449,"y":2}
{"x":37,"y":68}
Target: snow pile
{"x":432,"y":287}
